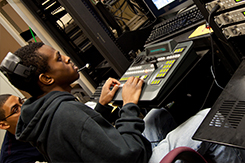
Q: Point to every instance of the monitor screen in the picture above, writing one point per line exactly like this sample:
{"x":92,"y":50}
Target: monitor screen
{"x":163,"y":7}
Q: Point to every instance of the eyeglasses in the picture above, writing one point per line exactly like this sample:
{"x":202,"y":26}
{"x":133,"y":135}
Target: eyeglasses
{"x":14,"y":109}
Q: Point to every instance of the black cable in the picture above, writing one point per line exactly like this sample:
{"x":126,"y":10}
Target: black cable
{"x":213,"y":71}
{"x":214,"y":9}
{"x":207,"y":95}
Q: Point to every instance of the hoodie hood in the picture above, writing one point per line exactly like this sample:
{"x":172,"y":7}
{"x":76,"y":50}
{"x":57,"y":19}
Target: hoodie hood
{"x":36,"y":115}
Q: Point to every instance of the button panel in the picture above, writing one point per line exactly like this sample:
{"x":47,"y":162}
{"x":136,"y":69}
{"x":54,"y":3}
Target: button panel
{"x":166,"y":67}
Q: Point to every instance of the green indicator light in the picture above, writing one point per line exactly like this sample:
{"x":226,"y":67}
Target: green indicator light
{"x":238,"y":0}
{"x":155,"y":50}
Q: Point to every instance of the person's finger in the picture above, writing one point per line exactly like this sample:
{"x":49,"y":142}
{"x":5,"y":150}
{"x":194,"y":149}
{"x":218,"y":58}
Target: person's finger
{"x":115,"y":82}
{"x":140,"y":82}
{"x":135,"y":81}
{"x":130,"y":79}
{"x":115,"y":88}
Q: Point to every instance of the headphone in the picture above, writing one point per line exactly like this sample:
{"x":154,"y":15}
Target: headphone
{"x":12,"y":64}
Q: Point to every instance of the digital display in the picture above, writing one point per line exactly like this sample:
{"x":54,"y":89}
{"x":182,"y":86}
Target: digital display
{"x":161,"y":3}
{"x":157,"y":50}
{"x":238,"y":0}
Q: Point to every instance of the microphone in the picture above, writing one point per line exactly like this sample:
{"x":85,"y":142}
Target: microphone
{"x":86,"y":66}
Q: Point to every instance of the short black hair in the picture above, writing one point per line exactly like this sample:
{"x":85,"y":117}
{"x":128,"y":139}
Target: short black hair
{"x":30,"y":57}
{"x":3,"y":99}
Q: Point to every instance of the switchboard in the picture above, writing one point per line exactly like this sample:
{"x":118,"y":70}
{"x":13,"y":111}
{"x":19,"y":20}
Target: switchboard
{"x":161,"y":66}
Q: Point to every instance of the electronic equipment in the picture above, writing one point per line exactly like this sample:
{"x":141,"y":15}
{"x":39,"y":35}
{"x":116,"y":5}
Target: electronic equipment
{"x":225,"y":122}
{"x":234,"y":30}
{"x":163,"y":7}
{"x":182,"y":22}
{"x":161,"y":66}
{"x":12,"y":64}
{"x":230,"y":17}
{"x":232,"y":20}
{"x":224,"y":4}
{"x":228,"y":38}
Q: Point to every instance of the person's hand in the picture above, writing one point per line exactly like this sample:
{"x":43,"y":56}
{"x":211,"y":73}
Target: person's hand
{"x":131,"y":90}
{"x":106,"y":94}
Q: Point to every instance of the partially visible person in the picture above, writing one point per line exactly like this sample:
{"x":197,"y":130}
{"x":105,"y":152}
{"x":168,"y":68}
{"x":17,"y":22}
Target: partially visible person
{"x":182,"y":136}
{"x":13,"y":150}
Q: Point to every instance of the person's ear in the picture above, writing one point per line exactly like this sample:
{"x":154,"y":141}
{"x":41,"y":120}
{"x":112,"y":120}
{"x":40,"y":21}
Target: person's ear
{"x":46,"y":79}
{"x":4,"y":125}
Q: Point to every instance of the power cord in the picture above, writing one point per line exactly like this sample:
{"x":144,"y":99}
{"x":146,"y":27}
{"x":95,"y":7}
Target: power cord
{"x":214,"y":9}
{"x":212,"y":68}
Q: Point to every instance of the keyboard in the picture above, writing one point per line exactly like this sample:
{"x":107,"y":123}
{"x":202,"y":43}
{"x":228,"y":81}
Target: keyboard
{"x":181,"y":22}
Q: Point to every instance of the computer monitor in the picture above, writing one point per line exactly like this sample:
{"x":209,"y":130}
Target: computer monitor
{"x":163,"y":7}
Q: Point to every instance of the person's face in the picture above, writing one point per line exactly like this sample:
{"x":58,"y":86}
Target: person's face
{"x":12,"y":106}
{"x":62,"y":70}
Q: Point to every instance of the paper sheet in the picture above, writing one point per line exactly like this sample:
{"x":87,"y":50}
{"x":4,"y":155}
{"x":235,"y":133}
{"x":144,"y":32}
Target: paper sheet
{"x":201,"y":30}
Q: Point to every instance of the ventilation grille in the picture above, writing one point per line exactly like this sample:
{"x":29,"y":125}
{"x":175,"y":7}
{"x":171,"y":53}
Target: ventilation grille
{"x":229,"y":114}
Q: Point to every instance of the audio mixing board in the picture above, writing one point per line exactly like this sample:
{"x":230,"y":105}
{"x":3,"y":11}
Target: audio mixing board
{"x":161,"y":66}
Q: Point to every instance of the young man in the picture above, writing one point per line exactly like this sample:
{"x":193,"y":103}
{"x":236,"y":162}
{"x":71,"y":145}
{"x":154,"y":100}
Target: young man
{"x":63,"y":129}
{"x":13,"y":150}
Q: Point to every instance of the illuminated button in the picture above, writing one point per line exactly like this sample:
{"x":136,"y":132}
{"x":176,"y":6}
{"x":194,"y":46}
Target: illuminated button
{"x":161,"y":75}
{"x":124,"y":79}
{"x":135,"y":68}
{"x":176,"y":51}
{"x":144,"y":77}
{"x":155,"y":82}
{"x":161,"y":59}
{"x":139,"y":71}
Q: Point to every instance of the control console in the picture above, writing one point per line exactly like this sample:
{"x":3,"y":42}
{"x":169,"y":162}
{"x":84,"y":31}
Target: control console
{"x":161,"y":66}
{"x":224,"y":4}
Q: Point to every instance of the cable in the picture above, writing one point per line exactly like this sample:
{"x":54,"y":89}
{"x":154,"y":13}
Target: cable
{"x":212,"y":68}
{"x":215,"y":78}
{"x":214,"y":9}
{"x":207,"y":95}
{"x":32,"y":34}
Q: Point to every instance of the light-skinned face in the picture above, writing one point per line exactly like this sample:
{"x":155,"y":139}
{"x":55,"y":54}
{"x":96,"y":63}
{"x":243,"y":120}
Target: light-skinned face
{"x":12,"y":107}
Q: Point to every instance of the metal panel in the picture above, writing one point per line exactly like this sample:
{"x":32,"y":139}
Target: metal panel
{"x":91,"y":25}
